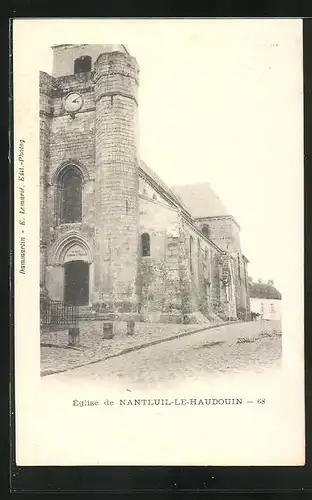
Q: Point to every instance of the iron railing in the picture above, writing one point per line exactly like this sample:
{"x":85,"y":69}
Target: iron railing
{"x":56,"y":312}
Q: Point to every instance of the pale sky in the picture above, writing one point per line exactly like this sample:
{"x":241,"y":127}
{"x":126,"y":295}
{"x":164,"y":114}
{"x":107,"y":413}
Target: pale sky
{"x":220,"y":101}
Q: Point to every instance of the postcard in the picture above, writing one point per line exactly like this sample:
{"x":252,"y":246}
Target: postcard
{"x":158,"y":213}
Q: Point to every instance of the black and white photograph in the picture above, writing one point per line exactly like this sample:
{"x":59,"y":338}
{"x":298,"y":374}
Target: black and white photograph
{"x":126,"y":259}
{"x":159,"y":237}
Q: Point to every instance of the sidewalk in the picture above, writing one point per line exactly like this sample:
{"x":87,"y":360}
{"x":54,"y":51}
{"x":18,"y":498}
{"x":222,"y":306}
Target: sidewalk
{"x":57,"y":357}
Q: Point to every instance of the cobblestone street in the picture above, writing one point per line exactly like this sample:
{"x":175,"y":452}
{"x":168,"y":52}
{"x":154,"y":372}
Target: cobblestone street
{"x":226,"y":349}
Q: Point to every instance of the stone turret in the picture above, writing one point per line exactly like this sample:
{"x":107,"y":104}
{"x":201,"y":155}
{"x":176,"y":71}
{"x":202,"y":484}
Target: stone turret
{"x":116,"y":180}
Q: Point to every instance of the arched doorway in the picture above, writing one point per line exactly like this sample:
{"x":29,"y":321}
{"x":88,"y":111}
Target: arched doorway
{"x":70,"y":274}
{"x":76,"y":282}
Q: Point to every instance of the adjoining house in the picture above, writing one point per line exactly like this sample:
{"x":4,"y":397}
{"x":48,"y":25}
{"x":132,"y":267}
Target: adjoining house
{"x":265,"y":300}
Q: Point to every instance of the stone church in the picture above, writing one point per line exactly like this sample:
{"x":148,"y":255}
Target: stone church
{"x":114,"y":237}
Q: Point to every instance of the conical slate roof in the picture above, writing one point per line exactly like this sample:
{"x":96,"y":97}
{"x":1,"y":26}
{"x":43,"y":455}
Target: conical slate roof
{"x":201,"y":200}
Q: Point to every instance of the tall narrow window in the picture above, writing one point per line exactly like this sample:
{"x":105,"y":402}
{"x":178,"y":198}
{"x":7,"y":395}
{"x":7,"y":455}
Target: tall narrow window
{"x":205,"y":230}
{"x":70,"y":187}
{"x":82,"y":64}
{"x":145,"y":243}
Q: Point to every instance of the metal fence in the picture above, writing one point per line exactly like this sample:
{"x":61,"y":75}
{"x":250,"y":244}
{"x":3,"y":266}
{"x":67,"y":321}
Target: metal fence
{"x":56,"y":312}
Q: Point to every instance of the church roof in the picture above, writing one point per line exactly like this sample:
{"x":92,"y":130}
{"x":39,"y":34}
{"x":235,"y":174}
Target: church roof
{"x":263,"y":291}
{"x":156,"y":179}
{"x":201,"y":200}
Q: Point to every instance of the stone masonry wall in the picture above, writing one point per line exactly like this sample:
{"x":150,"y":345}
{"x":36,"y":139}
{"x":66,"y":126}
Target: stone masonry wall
{"x":241,"y":282}
{"x":45,"y":112}
{"x":199,"y":273}
{"x":72,"y":141}
{"x":223,"y":231}
{"x":159,"y":279}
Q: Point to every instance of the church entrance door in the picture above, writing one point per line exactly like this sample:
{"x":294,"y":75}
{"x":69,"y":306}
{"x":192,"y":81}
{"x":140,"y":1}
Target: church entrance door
{"x":76,"y":289}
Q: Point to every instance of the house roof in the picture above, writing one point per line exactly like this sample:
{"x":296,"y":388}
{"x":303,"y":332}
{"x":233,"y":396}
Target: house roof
{"x":263,"y":291}
{"x":201,"y":200}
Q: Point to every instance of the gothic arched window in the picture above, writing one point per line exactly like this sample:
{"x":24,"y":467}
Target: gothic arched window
{"x":205,"y":230}
{"x":145,"y":244}
{"x":70,"y":194}
{"x":83,"y":64}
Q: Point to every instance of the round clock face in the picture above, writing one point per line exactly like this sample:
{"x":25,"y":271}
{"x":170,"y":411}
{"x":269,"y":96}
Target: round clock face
{"x":73,"y":102}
